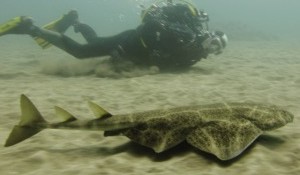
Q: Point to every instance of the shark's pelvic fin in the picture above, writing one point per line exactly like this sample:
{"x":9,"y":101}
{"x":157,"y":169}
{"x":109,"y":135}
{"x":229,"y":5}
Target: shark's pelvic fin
{"x":30,"y":123}
{"x":68,"y":117}
{"x":98,"y":111}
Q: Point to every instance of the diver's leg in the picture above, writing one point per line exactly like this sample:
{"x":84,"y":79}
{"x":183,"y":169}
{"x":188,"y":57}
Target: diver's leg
{"x":99,"y":46}
{"x":24,"y":25}
{"x":86,"y":31}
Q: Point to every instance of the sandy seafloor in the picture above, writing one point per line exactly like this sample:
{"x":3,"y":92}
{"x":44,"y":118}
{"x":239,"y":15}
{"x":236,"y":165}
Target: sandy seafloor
{"x":248,"y":71}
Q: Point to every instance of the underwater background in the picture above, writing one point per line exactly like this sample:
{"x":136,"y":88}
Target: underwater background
{"x":261,"y":64}
{"x":275,"y":17}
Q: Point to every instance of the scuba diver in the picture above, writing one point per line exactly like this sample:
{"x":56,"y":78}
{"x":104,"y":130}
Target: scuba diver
{"x":171,"y":36}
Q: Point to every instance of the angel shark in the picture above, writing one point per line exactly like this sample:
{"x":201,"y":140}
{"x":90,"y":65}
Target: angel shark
{"x":224,"y":130}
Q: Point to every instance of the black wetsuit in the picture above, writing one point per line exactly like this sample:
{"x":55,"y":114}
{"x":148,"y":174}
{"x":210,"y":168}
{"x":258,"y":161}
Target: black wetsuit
{"x":170,"y":37}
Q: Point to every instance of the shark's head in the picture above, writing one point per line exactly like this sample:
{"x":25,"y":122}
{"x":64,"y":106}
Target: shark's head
{"x":267,"y":117}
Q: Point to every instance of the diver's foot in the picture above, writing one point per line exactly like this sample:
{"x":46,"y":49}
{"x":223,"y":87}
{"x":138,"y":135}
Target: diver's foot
{"x":77,"y":27}
{"x":74,"y":21}
{"x":17,"y":25}
{"x":71,"y":18}
{"x":62,"y":24}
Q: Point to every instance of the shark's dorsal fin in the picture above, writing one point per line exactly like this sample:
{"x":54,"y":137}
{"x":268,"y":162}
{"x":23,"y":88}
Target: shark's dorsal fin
{"x":68,"y":117}
{"x":98,"y":111}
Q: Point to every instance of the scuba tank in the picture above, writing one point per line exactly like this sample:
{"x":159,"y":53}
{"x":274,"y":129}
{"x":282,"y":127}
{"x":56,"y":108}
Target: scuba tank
{"x":201,"y":15}
{"x":170,"y":30}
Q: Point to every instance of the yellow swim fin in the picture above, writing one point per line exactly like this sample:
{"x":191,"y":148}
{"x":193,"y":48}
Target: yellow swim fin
{"x":60,"y":25}
{"x":50,"y":26}
{"x":7,"y":26}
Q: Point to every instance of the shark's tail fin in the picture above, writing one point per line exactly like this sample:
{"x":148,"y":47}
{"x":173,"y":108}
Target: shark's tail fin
{"x":30,"y":124}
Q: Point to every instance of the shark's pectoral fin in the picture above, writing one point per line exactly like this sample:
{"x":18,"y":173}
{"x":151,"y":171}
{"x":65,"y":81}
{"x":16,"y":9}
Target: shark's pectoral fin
{"x":224,"y":139}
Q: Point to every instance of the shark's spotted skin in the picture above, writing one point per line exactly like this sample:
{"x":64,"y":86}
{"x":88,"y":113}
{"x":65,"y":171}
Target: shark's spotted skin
{"x":161,"y":133}
{"x":224,"y":130}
